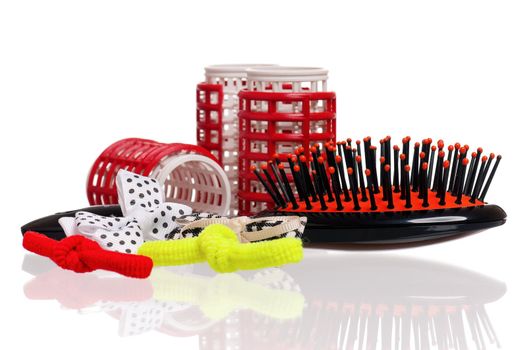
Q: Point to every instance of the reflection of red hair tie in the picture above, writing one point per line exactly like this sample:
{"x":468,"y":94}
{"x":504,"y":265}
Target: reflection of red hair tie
{"x":81,"y":254}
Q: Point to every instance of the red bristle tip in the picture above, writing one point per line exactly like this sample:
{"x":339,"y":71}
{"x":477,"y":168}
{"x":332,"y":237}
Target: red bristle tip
{"x":434,"y":148}
{"x":467,"y":147}
{"x":474,"y":154}
{"x":358,"y":158}
{"x":301,"y":149}
{"x":276,"y":156}
{"x":327,"y":144}
{"x":465,"y":161}
{"x":294,"y":159}
{"x":417,"y":144}
{"x":314,"y":172}
{"x":348,"y":147}
{"x":365,"y":139}
{"x":402,"y":156}
{"x":441,"y":154}
{"x":484,"y":159}
{"x":281,"y":166}
{"x":440,"y":143}
{"x":373,"y":148}
{"x":253,"y":167}
{"x":357,"y":142}
{"x":406,"y":139}
{"x":387,"y":167}
{"x":310,"y":158}
{"x":383,"y":160}
{"x":297,"y":151}
{"x":296,"y":168}
{"x":270,"y":162}
{"x":463,"y":150}
{"x":458,"y":145}
{"x":425,"y":166}
{"x":381,"y":141}
{"x":446,"y":164}
{"x":350,"y":171}
{"x":367,"y":172}
{"x":320,"y":159}
{"x":338,"y":159}
{"x":396,"y":148}
{"x":407,"y":168}
{"x":289,"y":156}
{"x":450,"y":148}
{"x":492,"y":156}
{"x":331,"y":170}
{"x":349,"y":140}
{"x":303,"y":159}
{"x":388,"y":138}
{"x":313,"y":149}
{"x":263,"y":166}
{"x":422,"y":155}
{"x":317,"y":145}
{"x":480,"y":150}
{"x":429,"y":140}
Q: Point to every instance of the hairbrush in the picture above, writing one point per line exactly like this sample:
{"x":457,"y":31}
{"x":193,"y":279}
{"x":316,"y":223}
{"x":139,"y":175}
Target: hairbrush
{"x":361,"y":193}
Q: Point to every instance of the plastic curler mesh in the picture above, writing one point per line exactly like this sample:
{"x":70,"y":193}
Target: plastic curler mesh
{"x":217,"y":117}
{"x":282,"y":108}
{"x":190,"y":174}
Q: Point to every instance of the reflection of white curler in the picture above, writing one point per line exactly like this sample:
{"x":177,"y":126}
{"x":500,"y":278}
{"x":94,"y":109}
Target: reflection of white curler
{"x":190,"y":174}
{"x":217,"y":116}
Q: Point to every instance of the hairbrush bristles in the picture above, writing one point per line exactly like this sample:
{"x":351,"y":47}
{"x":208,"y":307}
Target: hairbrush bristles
{"x":335,"y":180}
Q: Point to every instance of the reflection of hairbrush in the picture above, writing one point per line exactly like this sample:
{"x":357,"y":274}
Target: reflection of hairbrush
{"x":383,"y":195}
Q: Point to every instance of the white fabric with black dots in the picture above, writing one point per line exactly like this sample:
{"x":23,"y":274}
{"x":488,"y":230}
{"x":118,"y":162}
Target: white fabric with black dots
{"x":146,"y":216}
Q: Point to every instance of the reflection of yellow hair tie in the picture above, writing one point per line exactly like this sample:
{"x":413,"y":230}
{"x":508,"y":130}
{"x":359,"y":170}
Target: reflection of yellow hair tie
{"x":218,"y":296}
{"x":219,"y":246}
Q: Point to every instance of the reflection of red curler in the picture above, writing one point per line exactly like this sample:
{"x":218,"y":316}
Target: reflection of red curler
{"x":190,"y":174}
{"x":77,"y":291}
{"x":281,"y":109}
{"x":80,"y":254}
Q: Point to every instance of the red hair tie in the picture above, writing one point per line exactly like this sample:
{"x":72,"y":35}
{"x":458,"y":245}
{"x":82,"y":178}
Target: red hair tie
{"x":81,"y":254}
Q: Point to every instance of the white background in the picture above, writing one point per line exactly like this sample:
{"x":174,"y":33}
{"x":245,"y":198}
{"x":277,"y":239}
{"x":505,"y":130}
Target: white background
{"x":76,"y":76}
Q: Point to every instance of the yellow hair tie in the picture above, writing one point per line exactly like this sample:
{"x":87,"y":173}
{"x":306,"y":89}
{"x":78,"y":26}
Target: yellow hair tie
{"x":219,"y":246}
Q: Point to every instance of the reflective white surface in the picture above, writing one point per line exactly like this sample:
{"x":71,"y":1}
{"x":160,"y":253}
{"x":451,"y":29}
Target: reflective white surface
{"x":332,"y":300}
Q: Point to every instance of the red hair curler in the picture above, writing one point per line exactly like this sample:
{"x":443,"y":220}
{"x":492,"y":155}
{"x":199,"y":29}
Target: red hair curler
{"x":282,"y":108}
{"x":191,"y":175}
{"x":217,"y":117}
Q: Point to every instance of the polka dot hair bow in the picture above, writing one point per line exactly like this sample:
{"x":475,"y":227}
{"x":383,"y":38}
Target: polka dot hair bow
{"x":146,"y":216}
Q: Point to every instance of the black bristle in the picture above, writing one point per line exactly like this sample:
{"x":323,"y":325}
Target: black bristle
{"x":463,"y":170}
{"x":281,"y":184}
{"x":388,"y":184}
{"x":267,"y":187}
{"x":491,"y":176}
{"x":408,"y":194}
{"x":285,"y":181}
{"x":364,"y":197}
{"x":454,"y":168}
{"x":415,"y":168}
{"x":318,"y":187}
{"x":282,"y":201}
{"x":353,"y":190}
{"x":479,"y":181}
{"x":424,"y":185}
{"x":431,"y":169}
{"x":396,"y":184}
{"x":336,"y":189}
{"x":472,"y":168}
{"x":474,"y":172}
{"x":301,"y":181}
{"x":373,"y":204}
